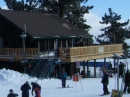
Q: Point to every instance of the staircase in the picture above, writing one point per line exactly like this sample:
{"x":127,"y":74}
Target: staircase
{"x":42,"y":67}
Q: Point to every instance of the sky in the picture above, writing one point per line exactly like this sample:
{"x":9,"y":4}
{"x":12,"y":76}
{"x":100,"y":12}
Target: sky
{"x":87,"y":87}
{"x":121,"y":7}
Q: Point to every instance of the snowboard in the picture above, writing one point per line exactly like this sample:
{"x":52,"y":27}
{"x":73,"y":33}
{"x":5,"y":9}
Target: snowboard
{"x":104,"y":95}
{"x":66,"y":87}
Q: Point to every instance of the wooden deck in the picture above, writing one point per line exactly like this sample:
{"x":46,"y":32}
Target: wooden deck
{"x":89,"y":52}
{"x":16,"y":54}
{"x":72,"y":54}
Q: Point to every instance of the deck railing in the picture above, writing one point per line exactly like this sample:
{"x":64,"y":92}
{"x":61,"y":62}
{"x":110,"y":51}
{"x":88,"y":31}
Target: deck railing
{"x":18,"y":51}
{"x":89,"y":50}
{"x":67,"y":54}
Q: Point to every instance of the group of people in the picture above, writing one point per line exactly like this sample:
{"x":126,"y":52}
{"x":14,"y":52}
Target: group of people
{"x":63,"y":75}
{"x":36,"y":87}
{"x":25,"y":90}
{"x":105,"y":79}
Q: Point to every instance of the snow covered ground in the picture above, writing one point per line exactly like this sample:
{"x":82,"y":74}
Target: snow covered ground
{"x":88,"y":87}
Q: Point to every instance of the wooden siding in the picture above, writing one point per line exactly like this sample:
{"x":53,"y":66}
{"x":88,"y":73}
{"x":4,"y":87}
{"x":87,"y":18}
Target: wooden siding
{"x":16,"y":54}
{"x":89,"y":52}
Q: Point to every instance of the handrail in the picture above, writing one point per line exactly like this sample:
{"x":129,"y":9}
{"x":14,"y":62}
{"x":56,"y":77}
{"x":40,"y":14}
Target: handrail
{"x":18,"y":51}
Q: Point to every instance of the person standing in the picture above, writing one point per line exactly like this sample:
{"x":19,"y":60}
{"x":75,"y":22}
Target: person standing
{"x":63,"y":77}
{"x":121,"y":68}
{"x":35,"y":85}
{"x":105,"y":82}
{"x":127,"y":82}
{"x":12,"y":94}
{"x":25,"y":89}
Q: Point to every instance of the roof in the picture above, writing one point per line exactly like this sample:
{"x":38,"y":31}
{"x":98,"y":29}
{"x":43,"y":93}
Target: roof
{"x":41,"y":25}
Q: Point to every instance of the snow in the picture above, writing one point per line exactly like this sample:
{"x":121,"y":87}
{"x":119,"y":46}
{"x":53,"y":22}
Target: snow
{"x":88,"y":87}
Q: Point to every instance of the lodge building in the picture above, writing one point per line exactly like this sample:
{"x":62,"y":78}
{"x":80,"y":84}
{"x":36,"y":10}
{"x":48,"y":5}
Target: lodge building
{"x":38,"y":44}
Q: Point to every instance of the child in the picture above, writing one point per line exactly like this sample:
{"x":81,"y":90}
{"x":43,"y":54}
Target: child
{"x":37,"y":92}
{"x":12,"y":94}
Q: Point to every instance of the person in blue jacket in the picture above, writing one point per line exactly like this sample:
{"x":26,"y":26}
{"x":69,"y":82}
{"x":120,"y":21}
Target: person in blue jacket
{"x":63,"y":77}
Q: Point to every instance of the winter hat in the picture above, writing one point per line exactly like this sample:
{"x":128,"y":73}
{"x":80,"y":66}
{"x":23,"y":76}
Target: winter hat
{"x":27,"y":82}
{"x":32,"y":83}
{"x":11,"y":90}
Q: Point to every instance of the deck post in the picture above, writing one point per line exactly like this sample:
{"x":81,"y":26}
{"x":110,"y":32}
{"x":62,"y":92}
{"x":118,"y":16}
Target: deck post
{"x":94,"y":67}
{"x":117,"y":57}
{"x":38,"y":45}
{"x":87,"y":66}
{"x":23,"y":38}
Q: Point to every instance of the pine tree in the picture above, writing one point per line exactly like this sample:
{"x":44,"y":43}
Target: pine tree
{"x":15,"y":5}
{"x":115,"y":31}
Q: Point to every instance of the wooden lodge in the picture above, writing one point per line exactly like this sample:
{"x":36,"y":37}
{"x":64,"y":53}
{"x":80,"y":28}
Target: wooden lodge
{"x":41,"y":40}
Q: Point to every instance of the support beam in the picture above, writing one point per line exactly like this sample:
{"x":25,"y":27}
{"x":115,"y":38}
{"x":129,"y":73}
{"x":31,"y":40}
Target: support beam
{"x":94,"y":67}
{"x":38,"y":45}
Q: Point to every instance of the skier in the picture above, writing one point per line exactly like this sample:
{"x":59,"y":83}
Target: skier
{"x":25,"y":89}
{"x":12,"y":94}
{"x":34,"y":85}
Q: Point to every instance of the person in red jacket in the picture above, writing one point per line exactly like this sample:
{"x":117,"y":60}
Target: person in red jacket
{"x":37,"y":92}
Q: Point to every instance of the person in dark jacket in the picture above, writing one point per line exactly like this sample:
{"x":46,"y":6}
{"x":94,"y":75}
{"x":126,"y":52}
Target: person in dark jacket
{"x":34,"y":85}
{"x":25,"y":89}
{"x":127,"y":82}
{"x":12,"y":94}
{"x":105,"y":82}
{"x":121,"y":68}
{"x":63,"y":77}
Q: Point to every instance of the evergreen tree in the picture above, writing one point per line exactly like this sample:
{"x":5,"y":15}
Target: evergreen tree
{"x":15,"y":5}
{"x":115,"y":32}
{"x":70,"y":10}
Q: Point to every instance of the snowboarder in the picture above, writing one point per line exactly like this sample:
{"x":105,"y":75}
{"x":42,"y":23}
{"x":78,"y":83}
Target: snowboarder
{"x":105,"y":82}
{"x":34,"y":85}
{"x":25,"y":89}
{"x":12,"y":94}
{"x":63,"y":77}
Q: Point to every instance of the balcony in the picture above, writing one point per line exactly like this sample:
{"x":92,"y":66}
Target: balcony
{"x":74,"y":54}
{"x":16,"y":54}
{"x":71,"y":54}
